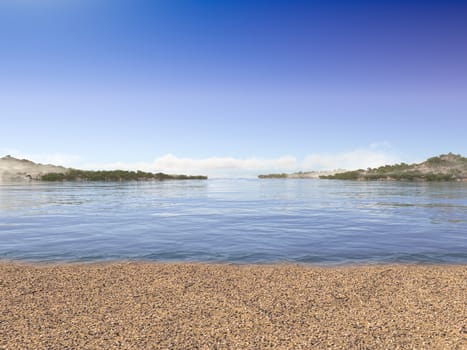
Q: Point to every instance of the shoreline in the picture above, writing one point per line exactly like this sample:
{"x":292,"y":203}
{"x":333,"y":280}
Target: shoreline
{"x":141,"y":305}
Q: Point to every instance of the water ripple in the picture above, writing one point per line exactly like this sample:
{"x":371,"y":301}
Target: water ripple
{"x":242,"y":221}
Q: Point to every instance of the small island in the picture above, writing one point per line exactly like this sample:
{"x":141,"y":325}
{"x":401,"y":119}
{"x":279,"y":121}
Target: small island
{"x":446,"y":167}
{"x":301,"y":175}
{"x":12,"y":169}
{"x":273,"y":176}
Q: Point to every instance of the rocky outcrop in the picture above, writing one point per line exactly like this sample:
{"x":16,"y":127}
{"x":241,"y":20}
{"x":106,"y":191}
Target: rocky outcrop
{"x":13,"y":169}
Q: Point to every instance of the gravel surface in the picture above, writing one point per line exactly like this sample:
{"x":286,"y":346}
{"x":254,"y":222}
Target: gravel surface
{"x":203,"y":306}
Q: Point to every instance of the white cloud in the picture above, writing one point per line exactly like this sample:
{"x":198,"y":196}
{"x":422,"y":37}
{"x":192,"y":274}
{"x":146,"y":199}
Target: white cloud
{"x":214,"y":166}
{"x":361,"y":158}
{"x":225,"y":163}
{"x":374,"y":155}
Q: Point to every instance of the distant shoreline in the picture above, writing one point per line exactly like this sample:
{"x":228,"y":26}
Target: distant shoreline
{"x":446,"y":167}
{"x":300,"y":175}
{"x":13,"y":169}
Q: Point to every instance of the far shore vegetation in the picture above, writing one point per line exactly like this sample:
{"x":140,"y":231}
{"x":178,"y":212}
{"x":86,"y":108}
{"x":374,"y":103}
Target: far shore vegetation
{"x":408,"y":176}
{"x":114,"y":175}
{"x":446,"y":167}
{"x":273,"y":176}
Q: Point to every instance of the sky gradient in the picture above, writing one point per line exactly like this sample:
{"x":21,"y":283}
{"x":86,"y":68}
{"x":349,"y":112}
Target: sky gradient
{"x":232,"y":87}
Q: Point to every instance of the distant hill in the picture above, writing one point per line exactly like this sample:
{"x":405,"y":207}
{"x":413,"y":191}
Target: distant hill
{"x":12,"y":169}
{"x":446,"y":167}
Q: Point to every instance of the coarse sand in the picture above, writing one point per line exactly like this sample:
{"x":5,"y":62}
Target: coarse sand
{"x":223,"y":306}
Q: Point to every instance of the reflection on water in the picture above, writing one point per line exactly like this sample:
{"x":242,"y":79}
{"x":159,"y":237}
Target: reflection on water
{"x":235,"y":220}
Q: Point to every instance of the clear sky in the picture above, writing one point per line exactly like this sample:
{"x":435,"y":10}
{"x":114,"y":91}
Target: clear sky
{"x":232,"y":87}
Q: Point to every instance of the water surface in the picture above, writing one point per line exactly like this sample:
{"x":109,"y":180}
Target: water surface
{"x":236,"y":220}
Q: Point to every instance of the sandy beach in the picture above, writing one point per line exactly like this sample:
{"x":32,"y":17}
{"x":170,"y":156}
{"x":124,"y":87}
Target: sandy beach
{"x":203,"y":306}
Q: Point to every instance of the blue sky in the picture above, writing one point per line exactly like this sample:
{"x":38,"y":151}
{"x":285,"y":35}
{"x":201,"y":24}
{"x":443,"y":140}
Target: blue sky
{"x":232,"y":87}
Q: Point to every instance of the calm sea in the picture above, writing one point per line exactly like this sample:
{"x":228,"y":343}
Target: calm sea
{"x":235,"y":220}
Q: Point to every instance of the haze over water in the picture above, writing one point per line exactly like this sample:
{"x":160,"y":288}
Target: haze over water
{"x":235,"y":220}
